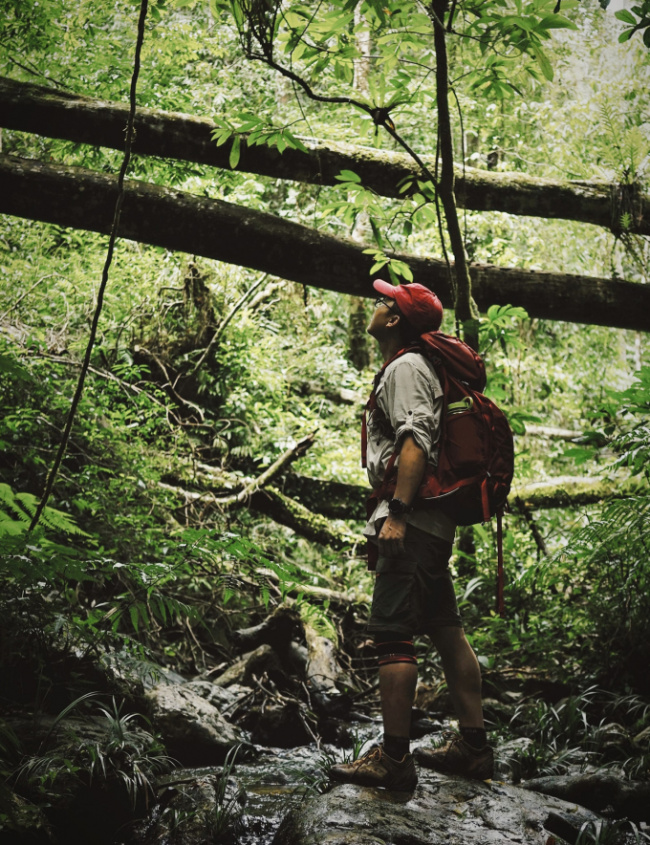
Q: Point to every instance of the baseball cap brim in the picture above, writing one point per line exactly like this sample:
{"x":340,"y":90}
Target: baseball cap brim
{"x":384,"y":288}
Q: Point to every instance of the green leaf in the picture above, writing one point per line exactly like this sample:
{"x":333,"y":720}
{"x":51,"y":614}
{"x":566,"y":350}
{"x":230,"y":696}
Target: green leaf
{"x":406,"y":271}
{"x":293,"y":142}
{"x":556,"y":22}
{"x":545,"y":65}
{"x":625,"y":16}
{"x":233,"y":159}
{"x":348,"y":176}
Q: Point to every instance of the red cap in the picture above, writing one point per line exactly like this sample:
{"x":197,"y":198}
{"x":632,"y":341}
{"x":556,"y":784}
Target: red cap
{"x":418,"y":304}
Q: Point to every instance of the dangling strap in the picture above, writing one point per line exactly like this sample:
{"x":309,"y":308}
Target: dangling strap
{"x":364,"y":431}
{"x":501,"y":610}
{"x":485,"y":501}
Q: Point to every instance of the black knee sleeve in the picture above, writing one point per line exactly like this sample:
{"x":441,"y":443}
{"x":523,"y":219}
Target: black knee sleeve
{"x":390,"y":649}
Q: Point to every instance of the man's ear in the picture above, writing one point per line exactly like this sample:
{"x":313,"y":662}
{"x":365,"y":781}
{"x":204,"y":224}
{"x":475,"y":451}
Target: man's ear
{"x":393,"y":320}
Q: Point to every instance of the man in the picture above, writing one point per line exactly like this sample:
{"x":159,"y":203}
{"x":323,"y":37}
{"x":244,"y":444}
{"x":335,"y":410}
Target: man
{"x":413,"y":591}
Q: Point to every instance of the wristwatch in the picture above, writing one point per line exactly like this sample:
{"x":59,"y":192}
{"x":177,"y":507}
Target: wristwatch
{"x":396,"y":507}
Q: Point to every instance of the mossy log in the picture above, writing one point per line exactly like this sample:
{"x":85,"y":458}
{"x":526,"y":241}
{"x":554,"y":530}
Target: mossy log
{"x":313,"y":526}
{"x":60,"y":114}
{"x":308,"y":505}
{"x":175,"y":220}
{"x":347,"y":501}
{"x":571,"y":492}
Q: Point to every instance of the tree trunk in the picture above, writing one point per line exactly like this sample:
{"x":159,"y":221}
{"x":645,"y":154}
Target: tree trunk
{"x":84,"y":199}
{"x":44,"y":111}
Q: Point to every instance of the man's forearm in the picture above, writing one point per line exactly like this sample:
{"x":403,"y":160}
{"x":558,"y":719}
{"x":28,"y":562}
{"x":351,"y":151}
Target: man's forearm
{"x":410,"y":469}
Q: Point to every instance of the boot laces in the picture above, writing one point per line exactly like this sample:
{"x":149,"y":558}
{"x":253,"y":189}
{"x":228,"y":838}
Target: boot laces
{"x":370,"y":756}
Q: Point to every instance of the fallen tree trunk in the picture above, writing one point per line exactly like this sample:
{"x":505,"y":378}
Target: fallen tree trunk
{"x":574,"y":492}
{"x":176,"y":220}
{"x":271,"y":502}
{"x":347,"y":501}
{"x":291,"y":513}
{"x":45,"y":111}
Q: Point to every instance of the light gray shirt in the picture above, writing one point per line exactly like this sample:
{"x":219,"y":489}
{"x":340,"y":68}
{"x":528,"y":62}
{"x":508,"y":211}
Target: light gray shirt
{"x":409,"y":401}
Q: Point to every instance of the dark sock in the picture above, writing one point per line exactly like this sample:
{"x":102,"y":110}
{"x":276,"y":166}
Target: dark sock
{"x":476,"y":737}
{"x":396,"y":746}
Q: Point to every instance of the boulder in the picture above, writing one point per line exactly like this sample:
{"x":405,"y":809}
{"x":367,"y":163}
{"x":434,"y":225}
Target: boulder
{"x":225,"y":699}
{"x":600,"y":791}
{"x":130,"y":677}
{"x":194,"y":731}
{"x":445,"y":810}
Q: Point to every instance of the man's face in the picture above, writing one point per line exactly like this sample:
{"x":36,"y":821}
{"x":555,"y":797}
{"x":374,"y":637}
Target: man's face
{"x":384,"y":312}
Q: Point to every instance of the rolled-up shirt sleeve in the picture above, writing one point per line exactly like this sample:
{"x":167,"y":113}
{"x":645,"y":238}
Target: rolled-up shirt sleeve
{"x":410,"y":396}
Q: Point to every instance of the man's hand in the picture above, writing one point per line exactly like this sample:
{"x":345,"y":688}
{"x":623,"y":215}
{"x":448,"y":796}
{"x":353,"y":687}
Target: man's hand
{"x":391,"y":536}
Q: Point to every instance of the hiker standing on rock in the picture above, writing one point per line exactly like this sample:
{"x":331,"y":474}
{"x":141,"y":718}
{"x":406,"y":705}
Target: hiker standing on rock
{"x":412,"y":542}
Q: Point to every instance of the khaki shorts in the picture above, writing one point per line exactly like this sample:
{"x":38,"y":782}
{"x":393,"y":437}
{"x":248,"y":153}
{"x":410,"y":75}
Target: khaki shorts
{"x":414,"y":593}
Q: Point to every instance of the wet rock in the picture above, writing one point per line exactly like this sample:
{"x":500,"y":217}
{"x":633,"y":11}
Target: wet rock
{"x":194,"y":731}
{"x":600,"y":792}
{"x":130,"y":677}
{"x":225,"y":699}
{"x":442,"y":810}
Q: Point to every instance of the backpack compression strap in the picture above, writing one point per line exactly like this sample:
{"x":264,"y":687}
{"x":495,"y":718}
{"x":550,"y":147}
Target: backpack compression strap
{"x":501,"y":610}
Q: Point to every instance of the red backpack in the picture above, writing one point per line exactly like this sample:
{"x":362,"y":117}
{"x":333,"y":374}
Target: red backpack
{"x":475,"y":466}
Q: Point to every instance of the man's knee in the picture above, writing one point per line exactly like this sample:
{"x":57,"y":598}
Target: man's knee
{"x":449,"y":639}
{"x":391,"y":648}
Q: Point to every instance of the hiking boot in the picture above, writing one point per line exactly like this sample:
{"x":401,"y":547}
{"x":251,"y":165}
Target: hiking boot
{"x":376,"y":768}
{"x":457,"y":757}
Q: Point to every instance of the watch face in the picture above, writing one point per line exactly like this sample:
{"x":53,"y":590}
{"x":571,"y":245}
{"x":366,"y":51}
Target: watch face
{"x":396,"y":507}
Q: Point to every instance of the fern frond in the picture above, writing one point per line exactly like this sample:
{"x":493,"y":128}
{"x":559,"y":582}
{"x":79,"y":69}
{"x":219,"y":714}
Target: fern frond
{"x":51,"y":518}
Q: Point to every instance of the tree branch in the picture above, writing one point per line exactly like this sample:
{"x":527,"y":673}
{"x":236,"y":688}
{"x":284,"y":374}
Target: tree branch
{"x":276,"y":468}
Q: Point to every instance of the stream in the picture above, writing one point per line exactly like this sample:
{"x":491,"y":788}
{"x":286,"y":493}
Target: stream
{"x":280,"y":778}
